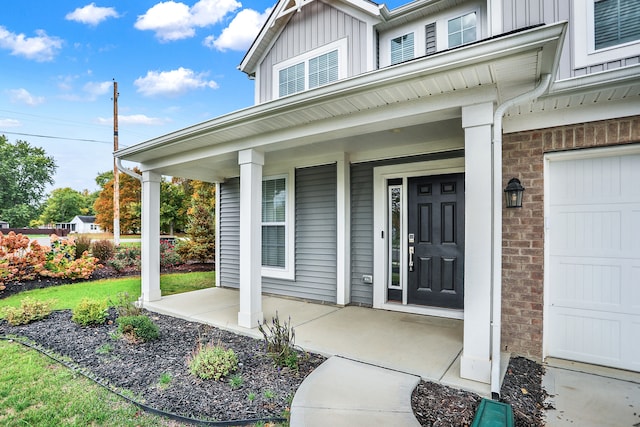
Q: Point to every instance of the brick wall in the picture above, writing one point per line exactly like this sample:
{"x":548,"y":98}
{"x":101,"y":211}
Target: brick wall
{"x":523,"y":229}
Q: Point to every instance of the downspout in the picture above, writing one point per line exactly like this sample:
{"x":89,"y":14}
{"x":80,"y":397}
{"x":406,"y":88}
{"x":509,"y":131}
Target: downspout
{"x":496,"y":284}
{"x":127,"y":171}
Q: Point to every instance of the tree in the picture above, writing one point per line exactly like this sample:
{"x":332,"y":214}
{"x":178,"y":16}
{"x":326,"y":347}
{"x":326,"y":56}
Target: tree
{"x":24,"y":173}
{"x":201,"y":224}
{"x":130,"y":192}
{"x":173,"y":206}
{"x":65,"y":203}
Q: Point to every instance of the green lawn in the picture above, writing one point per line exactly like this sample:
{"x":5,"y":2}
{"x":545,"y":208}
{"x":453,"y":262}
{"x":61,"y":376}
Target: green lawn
{"x":35,"y":391}
{"x":68,"y":296}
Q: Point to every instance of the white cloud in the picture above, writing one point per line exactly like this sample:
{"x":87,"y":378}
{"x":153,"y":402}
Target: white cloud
{"x":10,"y":123}
{"x":40,"y":48}
{"x":134,"y":119}
{"x":22,"y":96}
{"x":92,"y":14}
{"x":172,"y":83}
{"x":96,"y":89}
{"x":241,"y":32}
{"x":172,"y":20}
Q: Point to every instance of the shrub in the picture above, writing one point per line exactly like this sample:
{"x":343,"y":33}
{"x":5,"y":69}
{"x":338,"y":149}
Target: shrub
{"x":61,"y":261}
{"x":169,"y":257}
{"x":29,"y":311}
{"x":83,"y":244}
{"x":280,"y":342}
{"x":20,"y":259}
{"x":102,"y":249}
{"x":125,"y":256}
{"x":125,"y":305}
{"x":212,"y":361}
{"x":90,"y":312}
{"x":138,"y":328}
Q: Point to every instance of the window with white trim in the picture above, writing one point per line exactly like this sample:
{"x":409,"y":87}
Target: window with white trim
{"x":616,"y":22}
{"x":315,"y":68}
{"x":462,"y":30}
{"x":402,"y":48}
{"x":274,"y":222}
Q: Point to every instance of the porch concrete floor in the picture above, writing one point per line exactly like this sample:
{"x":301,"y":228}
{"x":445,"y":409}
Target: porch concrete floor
{"x":429,"y":347}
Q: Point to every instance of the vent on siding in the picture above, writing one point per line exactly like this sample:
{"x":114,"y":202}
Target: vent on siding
{"x":430,"y":38}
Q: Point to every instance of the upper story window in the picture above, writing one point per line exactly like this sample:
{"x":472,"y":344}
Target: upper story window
{"x":402,"y":48}
{"x":462,"y":30}
{"x":605,"y":31}
{"x":316,"y":68}
{"x":616,"y":22}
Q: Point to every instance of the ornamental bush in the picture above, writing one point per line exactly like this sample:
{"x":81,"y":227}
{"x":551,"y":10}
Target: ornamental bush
{"x":138,"y":328}
{"x":90,"y":312}
{"x":279,"y":341}
{"x":212,"y":361}
{"x":102,"y":249}
{"x":29,"y":311}
{"x":20,"y":259}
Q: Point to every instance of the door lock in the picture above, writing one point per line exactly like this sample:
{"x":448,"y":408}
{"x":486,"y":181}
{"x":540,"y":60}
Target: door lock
{"x":411,"y":251}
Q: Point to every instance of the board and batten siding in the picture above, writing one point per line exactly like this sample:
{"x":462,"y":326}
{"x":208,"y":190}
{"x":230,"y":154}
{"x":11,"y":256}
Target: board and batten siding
{"x":524,"y":13}
{"x":315,"y":236}
{"x":316,"y":25}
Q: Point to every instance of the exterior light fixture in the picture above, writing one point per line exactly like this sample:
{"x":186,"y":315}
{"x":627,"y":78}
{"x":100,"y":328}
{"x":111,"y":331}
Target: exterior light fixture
{"x":513,"y":193}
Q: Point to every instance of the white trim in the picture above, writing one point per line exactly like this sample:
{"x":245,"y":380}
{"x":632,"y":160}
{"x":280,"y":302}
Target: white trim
{"x":343,"y":230}
{"x":288,"y":272}
{"x":217,"y":239}
{"x":380,"y":176}
{"x":340,"y":45}
{"x":424,"y":311}
{"x":584,"y":51}
{"x":585,"y":153}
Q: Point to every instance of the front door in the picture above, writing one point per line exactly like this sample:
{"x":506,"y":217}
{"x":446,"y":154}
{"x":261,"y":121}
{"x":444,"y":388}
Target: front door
{"x":436,"y":241}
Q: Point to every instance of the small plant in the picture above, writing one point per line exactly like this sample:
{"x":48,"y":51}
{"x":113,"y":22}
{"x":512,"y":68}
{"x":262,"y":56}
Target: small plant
{"x":280,"y":342}
{"x":125,"y":305}
{"x":29,"y":311}
{"x":212,"y":361}
{"x":236,"y":381}
{"x":115,"y":335}
{"x":138,"y":328}
{"x":268,"y":394}
{"x":169,"y":257}
{"x":102,"y":249}
{"x":83,"y":244}
{"x":105,"y":348}
{"x":165,"y":379}
{"x":251,"y":396}
{"x":90,"y":312}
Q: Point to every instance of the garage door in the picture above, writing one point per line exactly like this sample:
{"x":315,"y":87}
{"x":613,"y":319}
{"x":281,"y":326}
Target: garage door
{"x":593,"y":264}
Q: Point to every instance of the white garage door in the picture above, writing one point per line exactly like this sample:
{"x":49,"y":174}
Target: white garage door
{"x":593,"y":244}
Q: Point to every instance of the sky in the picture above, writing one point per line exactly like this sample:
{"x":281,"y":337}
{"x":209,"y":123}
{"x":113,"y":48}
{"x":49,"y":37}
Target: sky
{"x":175,"y":63}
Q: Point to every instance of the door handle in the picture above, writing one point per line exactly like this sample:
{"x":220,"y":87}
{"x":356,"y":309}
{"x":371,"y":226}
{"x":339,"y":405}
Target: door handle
{"x":411,"y":251}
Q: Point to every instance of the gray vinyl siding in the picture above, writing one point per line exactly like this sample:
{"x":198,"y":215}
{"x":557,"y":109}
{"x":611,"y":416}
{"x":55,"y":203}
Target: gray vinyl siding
{"x":315,"y":236}
{"x":362,"y":221}
{"x":520,"y":14}
{"x":229,"y":233}
{"x":316,"y":25}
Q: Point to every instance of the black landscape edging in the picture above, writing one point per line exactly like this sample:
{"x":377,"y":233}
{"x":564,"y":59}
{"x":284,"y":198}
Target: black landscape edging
{"x":170,"y":415}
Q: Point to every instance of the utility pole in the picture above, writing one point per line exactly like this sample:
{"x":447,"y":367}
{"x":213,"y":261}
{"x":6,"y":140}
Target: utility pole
{"x":116,"y":174}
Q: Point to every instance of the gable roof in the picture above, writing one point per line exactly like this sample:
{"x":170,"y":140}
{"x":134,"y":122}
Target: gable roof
{"x":87,"y":219}
{"x":280,"y":15}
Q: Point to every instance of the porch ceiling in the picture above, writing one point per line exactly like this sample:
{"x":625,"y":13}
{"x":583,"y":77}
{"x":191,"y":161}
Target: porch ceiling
{"x":417,"y":102}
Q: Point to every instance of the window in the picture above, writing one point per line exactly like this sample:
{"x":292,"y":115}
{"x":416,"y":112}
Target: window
{"x":402,"y":48}
{"x":274,"y":222}
{"x":462,"y":30}
{"x":616,"y":22}
{"x":316,"y":68}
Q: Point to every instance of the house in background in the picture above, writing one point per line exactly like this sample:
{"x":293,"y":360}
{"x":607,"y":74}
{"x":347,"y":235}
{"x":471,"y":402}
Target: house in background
{"x":371,"y":170}
{"x":80,"y":224}
{"x":4,"y":224}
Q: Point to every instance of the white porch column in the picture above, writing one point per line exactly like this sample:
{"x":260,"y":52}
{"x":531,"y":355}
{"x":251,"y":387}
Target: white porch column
{"x":343,"y":296}
{"x":150,"y":251}
{"x":476,"y":354}
{"x":251,"y":162}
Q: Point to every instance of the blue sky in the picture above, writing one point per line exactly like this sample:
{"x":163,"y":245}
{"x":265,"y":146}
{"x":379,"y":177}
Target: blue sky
{"x":175,"y":63}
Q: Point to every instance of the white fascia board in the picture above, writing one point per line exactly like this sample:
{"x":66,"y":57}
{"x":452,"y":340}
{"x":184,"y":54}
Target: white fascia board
{"x":467,"y":55}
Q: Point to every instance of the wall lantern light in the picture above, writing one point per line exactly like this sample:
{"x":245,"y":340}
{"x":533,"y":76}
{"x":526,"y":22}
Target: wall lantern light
{"x":513,"y":193}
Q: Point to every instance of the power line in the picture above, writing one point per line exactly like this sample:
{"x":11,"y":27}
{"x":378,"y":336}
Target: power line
{"x":55,"y":137}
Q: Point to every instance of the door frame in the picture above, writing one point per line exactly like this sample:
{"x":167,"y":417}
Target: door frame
{"x":381,"y":233}
{"x":585,"y":153}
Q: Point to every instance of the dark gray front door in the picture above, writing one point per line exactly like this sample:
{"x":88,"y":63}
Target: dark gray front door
{"x":436,"y":238}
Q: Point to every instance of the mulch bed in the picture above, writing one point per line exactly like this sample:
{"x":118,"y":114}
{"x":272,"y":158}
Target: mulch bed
{"x":137,"y":368}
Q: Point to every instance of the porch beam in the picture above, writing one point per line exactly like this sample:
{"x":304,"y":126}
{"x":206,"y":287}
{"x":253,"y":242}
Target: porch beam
{"x":475,"y":363}
{"x":343,"y":237}
{"x":251,"y":163}
{"x":150,"y":237}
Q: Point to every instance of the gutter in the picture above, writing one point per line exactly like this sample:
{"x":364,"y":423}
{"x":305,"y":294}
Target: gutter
{"x":496,"y":282}
{"x":126,"y":170}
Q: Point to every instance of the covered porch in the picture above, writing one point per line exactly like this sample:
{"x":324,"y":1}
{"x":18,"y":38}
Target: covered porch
{"x":426,"y":346}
